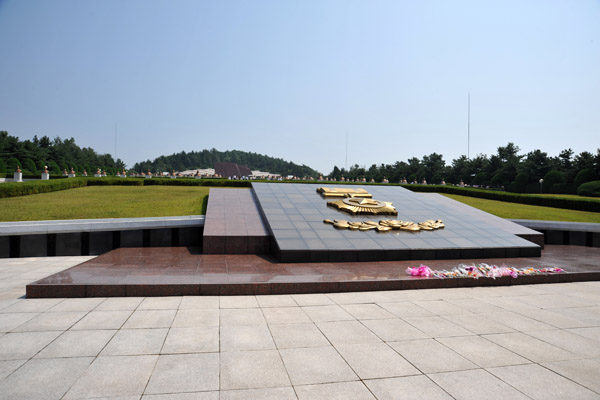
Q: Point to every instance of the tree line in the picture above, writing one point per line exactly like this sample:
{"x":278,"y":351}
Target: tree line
{"x":57,"y":154}
{"x":206,"y":159}
{"x":507,"y":169}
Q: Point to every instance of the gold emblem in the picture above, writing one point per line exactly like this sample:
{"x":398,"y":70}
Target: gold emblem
{"x":357,"y":205}
{"x":386,"y":225}
{"x":343,"y":192}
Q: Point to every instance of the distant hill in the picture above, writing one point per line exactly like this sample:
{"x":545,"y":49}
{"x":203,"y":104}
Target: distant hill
{"x":206,"y":159}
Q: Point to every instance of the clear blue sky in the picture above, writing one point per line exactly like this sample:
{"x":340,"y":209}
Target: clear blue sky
{"x":291,"y":78}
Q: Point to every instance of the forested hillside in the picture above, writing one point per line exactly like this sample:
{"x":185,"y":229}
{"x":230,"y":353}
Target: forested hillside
{"x":58,"y":154}
{"x":206,"y":159}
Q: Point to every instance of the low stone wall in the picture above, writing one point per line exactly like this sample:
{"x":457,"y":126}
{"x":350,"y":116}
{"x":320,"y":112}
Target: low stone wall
{"x":97,"y":236}
{"x":566,"y":233}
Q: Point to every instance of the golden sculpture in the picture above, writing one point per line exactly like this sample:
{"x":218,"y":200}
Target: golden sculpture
{"x":386,"y":225}
{"x":357,"y":205}
{"x":343,"y":192}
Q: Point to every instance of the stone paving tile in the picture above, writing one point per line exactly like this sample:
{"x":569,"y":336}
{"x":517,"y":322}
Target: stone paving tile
{"x":85,"y":304}
{"x":245,"y":338}
{"x":441,"y":307}
{"x":347,"y":332}
{"x":288,"y":336}
{"x":518,"y":322}
{"x":280,"y":393}
{"x":130,"y":342}
{"x":538,"y":382}
{"x":390,"y":330}
{"x":476,"y":306}
{"x":375,"y":360}
{"x":55,"y":321}
{"x":327,"y":313}
{"x":276,"y":301}
{"x":7,"y":302}
{"x":437,"y":326}
{"x":569,"y":341}
{"x":119,"y":304}
{"x":590,"y":333}
{"x":367,"y":311}
{"x":252,"y":370}
{"x":285,"y":315}
{"x":185,"y":373}
{"x":127,"y":375}
{"x":530,"y":347}
{"x":238,"y":302}
{"x":316,"y":299}
{"x":199,"y":302}
{"x":478,"y":324}
{"x":334,"y":391}
{"x":192,"y":340}
{"x":552,"y":318}
{"x":10,"y":321}
{"x":160,"y":303}
{"x":24,"y":345}
{"x":150,"y":319}
{"x":77,"y":344}
{"x":182,"y":396}
{"x":584,"y":372}
{"x":430,"y":356}
{"x":102,"y":320}
{"x":32,"y":305}
{"x":549,"y":301}
{"x":406,"y":388}
{"x":314,"y":365}
{"x":43,"y":378}
{"x":405,"y":309}
{"x":476,"y":384}
{"x":239,"y":317}
{"x":8,"y":367}
{"x":482,"y":352}
{"x":589,"y":316}
{"x":196,"y":317}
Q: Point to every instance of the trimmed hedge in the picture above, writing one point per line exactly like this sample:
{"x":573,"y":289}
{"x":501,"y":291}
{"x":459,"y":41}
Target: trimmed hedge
{"x":14,"y":189}
{"x":589,"y":189}
{"x":25,"y":188}
{"x":532,"y":199}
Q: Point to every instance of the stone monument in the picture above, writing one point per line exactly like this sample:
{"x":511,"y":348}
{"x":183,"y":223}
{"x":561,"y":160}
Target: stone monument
{"x":18,"y":175}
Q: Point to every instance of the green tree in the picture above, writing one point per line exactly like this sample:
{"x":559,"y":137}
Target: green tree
{"x":30,"y":166}
{"x":11,"y":165}
{"x":2,"y":167}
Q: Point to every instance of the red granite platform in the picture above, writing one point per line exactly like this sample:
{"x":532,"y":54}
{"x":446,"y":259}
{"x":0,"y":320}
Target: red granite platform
{"x":183,"y":271}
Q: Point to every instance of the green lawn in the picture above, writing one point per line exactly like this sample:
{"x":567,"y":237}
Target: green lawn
{"x":107,"y":202}
{"x":524,"y":211}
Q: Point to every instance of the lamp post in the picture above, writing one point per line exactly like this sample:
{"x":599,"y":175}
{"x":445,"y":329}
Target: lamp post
{"x":541,"y":184}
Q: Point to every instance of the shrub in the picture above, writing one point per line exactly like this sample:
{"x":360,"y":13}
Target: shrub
{"x":29,"y":165}
{"x":589,"y":189}
{"x":114,"y":182}
{"x":11,"y":165}
{"x":585,"y":175}
{"x":13,"y":189}
{"x":53,"y":168}
{"x":520,"y":183}
{"x":536,"y":200}
{"x":2,"y":167}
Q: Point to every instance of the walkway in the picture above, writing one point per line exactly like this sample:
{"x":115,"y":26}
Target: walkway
{"x":508,"y":342}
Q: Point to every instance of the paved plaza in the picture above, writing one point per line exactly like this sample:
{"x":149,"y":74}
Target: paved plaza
{"x":506,"y":342}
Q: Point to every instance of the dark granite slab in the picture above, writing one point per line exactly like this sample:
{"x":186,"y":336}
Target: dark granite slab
{"x":295,"y":213}
{"x":180,"y":271}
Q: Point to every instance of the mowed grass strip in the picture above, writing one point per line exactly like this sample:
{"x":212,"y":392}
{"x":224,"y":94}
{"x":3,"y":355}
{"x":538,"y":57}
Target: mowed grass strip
{"x":107,"y":202}
{"x":524,"y":211}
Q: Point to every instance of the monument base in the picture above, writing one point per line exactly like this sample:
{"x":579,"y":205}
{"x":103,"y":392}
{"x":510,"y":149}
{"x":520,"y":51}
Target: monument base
{"x":97,"y":175}
{"x":18,"y":177}
{"x":72,"y":175}
{"x":45,"y":176}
